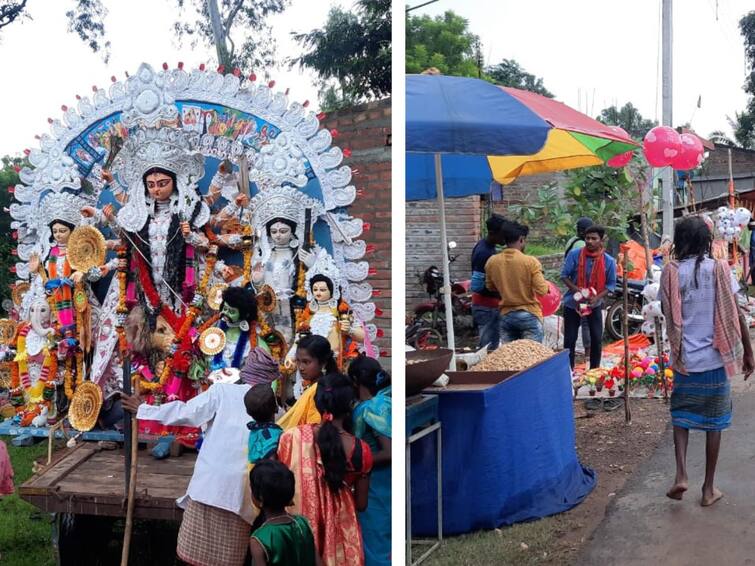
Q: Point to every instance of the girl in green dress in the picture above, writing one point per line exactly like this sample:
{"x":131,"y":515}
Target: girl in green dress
{"x":281,"y":539}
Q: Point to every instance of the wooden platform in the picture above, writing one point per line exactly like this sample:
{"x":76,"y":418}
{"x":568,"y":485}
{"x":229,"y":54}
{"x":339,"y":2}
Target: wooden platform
{"x":88,"y":480}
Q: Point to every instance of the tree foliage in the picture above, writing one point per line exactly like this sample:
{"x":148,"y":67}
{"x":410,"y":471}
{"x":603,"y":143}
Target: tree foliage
{"x":443,"y":42}
{"x":11,"y":11}
{"x":509,"y":73}
{"x":744,"y":122}
{"x":244,"y":19}
{"x":87,"y":20}
{"x":351,"y":54}
{"x":629,"y":118}
{"x":8,"y":178}
{"x":609,"y":196}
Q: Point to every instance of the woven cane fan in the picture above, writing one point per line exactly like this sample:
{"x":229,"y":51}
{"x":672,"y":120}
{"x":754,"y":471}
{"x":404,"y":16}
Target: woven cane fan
{"x":85,"y":406}
{"x":266,"y":299}
{"x":86,"y":248}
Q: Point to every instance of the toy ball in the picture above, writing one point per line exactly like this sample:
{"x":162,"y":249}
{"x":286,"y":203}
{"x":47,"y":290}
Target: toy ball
{"x":637,"y":372}
{"x":742,"y":216}
{"x":650,"y":292}
{"x":646,"y":313}
{"x":661,"y":145}
{"x":655,"y":367}
{"x":650,"y":371}
{"x":669,"y":373}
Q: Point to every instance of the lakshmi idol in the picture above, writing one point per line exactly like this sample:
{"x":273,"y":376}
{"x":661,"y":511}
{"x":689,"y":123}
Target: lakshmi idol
{"x":279,"y":216}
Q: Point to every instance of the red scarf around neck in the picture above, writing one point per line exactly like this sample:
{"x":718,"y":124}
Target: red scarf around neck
{"x":597,"y":278}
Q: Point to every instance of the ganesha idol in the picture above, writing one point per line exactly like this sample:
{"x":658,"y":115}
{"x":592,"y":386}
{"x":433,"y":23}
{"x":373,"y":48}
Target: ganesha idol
{"x":35,"y":375}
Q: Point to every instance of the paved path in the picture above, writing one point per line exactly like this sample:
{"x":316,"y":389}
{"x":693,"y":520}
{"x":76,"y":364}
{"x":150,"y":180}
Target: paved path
{"x":643,"y":527}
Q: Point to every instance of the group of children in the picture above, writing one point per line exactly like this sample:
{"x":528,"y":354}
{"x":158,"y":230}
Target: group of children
{"x":327,"y":460}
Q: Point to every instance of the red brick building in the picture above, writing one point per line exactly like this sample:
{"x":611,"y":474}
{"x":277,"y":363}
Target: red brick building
{"x":365,"y":130}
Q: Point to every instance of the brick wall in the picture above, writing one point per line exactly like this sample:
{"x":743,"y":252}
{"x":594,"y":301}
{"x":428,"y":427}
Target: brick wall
{"x":423,"y":240}
{"x":365,"y":130}
{"x":463,"y":217}
{"x":717,"y":163}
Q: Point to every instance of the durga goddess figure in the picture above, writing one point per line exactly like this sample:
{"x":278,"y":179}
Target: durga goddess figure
{"x":160,"y":224}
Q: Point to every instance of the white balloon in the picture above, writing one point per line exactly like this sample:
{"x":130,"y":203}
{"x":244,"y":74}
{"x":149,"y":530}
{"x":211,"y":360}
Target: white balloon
{"x":648,"y":328}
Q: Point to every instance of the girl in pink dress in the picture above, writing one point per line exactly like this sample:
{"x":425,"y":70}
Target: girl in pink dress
{"x":6,"y":471}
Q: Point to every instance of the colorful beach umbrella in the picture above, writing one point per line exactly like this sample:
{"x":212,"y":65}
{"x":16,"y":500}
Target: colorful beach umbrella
{"x":464,"y":134}
{"x":489,"y":133}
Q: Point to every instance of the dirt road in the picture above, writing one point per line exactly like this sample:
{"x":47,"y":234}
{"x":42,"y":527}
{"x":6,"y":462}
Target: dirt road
{"x":644,"y":527}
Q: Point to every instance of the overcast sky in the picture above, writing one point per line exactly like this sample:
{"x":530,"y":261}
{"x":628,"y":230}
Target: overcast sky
{"x":595,"y":53}
{"x":43,"y":66}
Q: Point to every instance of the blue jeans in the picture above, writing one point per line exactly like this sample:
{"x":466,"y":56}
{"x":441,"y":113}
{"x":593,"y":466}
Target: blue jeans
{"x":518,"y":325}
{"x":488,"y":323}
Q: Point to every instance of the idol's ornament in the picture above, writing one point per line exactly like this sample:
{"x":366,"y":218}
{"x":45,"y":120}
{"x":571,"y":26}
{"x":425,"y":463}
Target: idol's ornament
{"x":174,"y":222}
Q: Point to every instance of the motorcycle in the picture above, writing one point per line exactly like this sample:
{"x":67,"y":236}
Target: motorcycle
{"x":614,"y":326}
{"x":431,"y":313}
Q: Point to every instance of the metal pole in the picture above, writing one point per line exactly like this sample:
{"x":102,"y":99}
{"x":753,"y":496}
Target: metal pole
{"x":446,"y":263}
{"x":408,"y":465}
{"x":668,"y":118}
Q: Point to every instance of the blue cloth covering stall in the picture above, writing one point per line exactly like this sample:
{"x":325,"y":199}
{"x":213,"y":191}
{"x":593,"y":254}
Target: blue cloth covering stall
{"x":508,"y":454}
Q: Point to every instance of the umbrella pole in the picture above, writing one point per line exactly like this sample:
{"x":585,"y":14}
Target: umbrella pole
{"x":446,"y":263}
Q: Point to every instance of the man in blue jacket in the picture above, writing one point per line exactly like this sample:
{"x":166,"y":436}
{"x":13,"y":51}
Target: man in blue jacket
{"x":486,"y":303}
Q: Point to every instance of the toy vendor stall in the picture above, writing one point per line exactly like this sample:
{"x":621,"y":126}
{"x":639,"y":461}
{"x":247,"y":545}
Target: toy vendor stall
{"x":508,"y":444}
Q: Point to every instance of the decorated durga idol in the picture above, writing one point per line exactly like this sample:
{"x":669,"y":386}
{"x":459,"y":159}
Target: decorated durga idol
{"x":171,"y":247}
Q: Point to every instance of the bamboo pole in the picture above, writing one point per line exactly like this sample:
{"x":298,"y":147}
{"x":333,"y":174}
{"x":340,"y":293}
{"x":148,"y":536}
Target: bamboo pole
{"x":732,"y":204}
{"x":627,"y":412}
{"x":657,"y":321}
{"x":131,"y":484}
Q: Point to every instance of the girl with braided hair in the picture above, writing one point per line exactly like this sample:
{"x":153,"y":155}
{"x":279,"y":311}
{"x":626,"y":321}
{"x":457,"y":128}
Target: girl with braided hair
{"x":708,"y":347}
{"x":332,"y":469}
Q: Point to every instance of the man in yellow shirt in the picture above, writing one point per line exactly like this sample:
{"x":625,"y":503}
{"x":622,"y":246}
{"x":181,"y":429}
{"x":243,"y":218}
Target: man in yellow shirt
{"x":519,"y":280}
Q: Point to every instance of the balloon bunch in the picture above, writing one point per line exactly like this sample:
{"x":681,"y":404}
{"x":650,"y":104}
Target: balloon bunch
{"x":731,"y":221}
{"x":663,"y":146}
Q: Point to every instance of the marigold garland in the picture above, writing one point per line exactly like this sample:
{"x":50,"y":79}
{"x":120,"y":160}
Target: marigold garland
{"x":122,"y":309}
{"x":67,"y":379}
{"x":182,"y":342}
{"x":247,"y":234}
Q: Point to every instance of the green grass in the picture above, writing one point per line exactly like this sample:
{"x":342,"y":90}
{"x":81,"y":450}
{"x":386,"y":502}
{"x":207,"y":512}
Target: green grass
{"x":500,"y":546}
{"x":25,"y":531}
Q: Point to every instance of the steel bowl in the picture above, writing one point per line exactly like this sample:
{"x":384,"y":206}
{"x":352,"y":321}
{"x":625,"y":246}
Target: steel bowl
{"x":423,"y":367}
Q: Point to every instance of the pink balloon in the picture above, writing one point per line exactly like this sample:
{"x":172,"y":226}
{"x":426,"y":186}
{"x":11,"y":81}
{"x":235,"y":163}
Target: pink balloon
{"x":691,"y":154}
{"x":620,"y":160}
{"x":661,"y":145}
{"x":550,"y":301}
